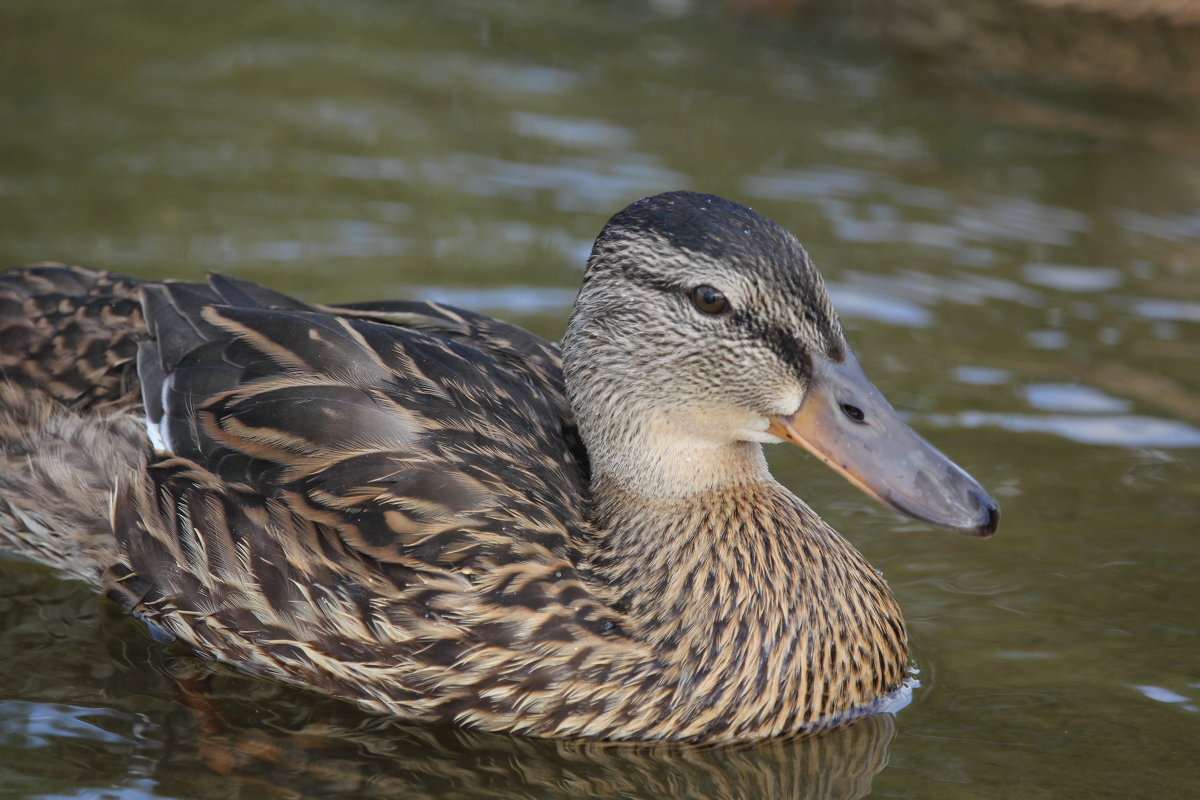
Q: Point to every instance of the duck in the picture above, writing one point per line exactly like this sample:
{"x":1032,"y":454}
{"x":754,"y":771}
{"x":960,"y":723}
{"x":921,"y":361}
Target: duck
{"x":441,"y":517}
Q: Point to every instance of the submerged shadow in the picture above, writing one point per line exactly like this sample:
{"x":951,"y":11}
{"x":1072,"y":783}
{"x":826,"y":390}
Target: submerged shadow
{"x":325,"y":748}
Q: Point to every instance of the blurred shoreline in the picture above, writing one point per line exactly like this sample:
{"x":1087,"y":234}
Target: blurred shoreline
{"x":1145,"y":46}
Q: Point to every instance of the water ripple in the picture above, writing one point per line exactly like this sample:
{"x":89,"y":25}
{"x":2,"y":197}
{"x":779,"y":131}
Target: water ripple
{"x":987,"y":218}
{"x":578,"y":184}
{"x":1070,"y":278}
{"x":1163,"y":695}
{"x":574,"y":132}
{"x":859,"y":301}
{"x":518,"y":299}
{"x":38,"y":724}
{"x":1174,"y":227}
{"x":1073,"y":397}
{"x":1125,"y":430}
{"x":1175,"y":310}
{"x":982,"y":376}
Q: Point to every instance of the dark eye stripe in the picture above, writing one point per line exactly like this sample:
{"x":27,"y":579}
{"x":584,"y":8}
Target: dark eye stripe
{"x":782,"y":342}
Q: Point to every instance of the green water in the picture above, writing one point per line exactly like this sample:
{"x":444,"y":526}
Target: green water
{"x":1017,"y":262}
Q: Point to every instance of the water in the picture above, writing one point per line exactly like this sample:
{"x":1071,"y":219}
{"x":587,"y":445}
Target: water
{"x":1015,"y":261}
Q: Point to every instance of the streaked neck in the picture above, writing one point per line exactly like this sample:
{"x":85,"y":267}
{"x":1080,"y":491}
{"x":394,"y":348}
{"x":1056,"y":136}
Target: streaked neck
{"x":763,"y":610}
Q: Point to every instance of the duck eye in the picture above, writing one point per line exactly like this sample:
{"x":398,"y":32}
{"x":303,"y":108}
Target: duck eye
{"x":709,"y":300}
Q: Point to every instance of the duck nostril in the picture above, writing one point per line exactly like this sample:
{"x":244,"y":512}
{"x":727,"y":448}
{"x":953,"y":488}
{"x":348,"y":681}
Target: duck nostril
{"x":854,"y":413}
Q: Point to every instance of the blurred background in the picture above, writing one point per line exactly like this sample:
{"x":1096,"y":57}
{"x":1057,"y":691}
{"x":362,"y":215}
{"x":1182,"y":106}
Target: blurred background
{"x":1003,"y":194}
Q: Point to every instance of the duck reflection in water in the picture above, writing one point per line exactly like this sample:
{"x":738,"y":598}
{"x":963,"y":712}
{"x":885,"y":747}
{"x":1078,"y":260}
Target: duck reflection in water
{"x":299,"y":748}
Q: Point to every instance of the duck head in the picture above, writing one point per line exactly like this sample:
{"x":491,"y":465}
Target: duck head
{"x":702,"y":329}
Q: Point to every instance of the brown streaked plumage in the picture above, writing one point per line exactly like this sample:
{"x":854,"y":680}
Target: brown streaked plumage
{"x":409,"y":506}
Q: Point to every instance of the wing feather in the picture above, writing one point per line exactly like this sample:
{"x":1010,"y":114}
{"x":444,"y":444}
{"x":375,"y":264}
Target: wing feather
{"x":410,"y":429}
{"x":384,"y":501}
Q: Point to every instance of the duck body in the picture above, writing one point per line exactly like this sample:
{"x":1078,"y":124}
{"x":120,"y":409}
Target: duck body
{"x":409,"y":506}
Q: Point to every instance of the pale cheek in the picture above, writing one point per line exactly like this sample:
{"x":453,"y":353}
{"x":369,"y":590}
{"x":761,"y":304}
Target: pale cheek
{"x":789,"y":400}
{"x":719,"y":426}
{"x":766,"y":398}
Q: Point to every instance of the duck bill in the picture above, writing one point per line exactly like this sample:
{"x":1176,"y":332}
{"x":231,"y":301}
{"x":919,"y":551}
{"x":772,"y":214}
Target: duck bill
{"x":849,"y":425}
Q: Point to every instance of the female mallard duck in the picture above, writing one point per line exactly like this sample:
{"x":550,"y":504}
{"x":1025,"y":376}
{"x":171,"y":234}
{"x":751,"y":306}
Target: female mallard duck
{"x":424,"y":511}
